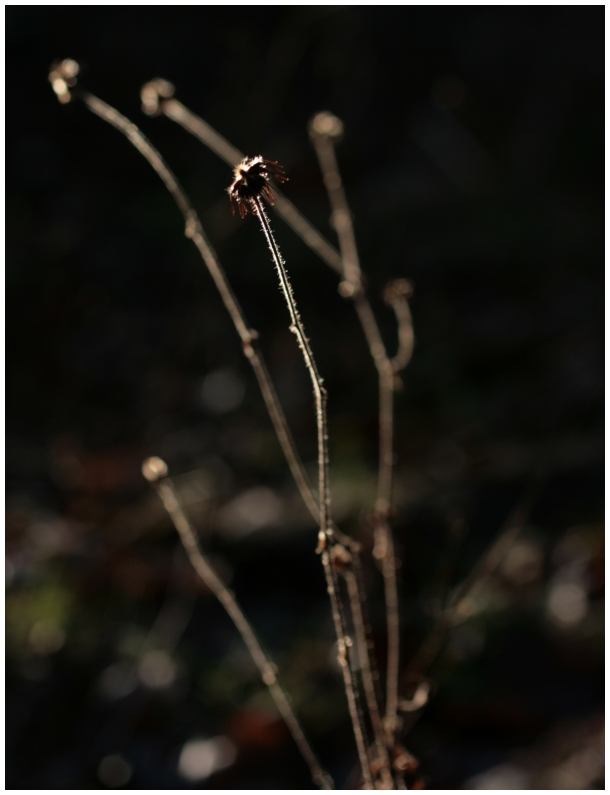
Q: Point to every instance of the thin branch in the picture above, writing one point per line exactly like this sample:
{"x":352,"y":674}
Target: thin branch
{"x":368,"y":683}
{"x":479,"y":575}
{"x":326,"y":535}
{"x":324,"y":130}
{"x":155,"y":471}
{"x":397,"y":294}
{"x":319,"y":391}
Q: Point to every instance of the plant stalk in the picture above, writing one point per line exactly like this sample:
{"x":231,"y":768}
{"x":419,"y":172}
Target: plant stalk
{"x":326,"y":535}
{"x":167,"y":493}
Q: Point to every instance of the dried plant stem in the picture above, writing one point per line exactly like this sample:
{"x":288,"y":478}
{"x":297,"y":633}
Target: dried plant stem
{"x":326,"y":532}
{"x":171,"y":503}
{"x":396,"y":295}
{"x":480,"y":574}
{"x":387,"y":371}
{"x":192,"y":123}
{"x":153,"y":94}
{"x":319,"y":391}
{"x":368,"y":683}
{"x":248,"y":337}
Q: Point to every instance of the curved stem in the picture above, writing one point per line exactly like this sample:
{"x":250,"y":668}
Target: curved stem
{"x":267,"y":669}
{"x":406,"y":338}
{"x":384,"y":544}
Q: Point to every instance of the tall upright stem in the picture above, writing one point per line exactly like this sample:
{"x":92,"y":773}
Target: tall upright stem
{"x":353,"y":287}
{"x":326,"y":533}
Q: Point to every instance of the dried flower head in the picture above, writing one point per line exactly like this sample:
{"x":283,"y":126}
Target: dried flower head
{"x":326,"y":124}
{"x":62,"y":76}
{"x":252,"y":182}
{"x":154,"y":90}
{"x":340,"y":558}
{"x":154,"y":468}
{"x":399,"y":289}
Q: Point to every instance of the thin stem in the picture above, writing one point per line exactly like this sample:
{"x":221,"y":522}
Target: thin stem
{"x":479,"y":575}
{"x":167,"y":493}
{"x":396,"y":295}
{"x":326,"y":532}
{"x":319,"y":391}
{"x":493,"y":556}
{"x":353,"y":287}
{"x":368,"y":683}
{"x":341,"y":217}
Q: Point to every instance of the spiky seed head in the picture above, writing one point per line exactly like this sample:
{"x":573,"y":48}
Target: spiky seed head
{"x":253,"y":182}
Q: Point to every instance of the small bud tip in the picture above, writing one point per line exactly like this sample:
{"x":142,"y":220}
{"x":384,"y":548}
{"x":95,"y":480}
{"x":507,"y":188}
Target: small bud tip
{"x":397,"y":290}
{"x":62,"y":76}
{"x":152,"y":91}
{"x":154,"y":468}
{"x":326,"y":123}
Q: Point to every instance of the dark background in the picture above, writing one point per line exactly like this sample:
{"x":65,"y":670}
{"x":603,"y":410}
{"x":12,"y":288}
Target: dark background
{"x":473,"y":164}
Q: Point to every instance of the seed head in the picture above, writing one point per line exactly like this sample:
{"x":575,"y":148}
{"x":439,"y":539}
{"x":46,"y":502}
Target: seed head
{"x":326,"y":124}
{"x":252,"y":182}
{"x":152,"y":92}
{"x":399,"y":289}
{"x":154,"y":468}
{"x":62,"y":76}
{"x":340,"y":558}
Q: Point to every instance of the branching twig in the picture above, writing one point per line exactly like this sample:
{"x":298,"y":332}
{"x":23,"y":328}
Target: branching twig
{"x":157,"y":97}
{"x":63,"y":80}
{"x":396,"y":295}
{"x":366,"y":670}
{"x":155,"y":471}
{"x":324,"y":130}
{"x":480,"y":574}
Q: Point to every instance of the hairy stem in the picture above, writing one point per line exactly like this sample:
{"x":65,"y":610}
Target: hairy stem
{"x":326,"y":533}
{"x":267,"y":669}
{"x":319,"y":391}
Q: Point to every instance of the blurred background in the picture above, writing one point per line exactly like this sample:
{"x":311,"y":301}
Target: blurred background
{"x":473,"y":164}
